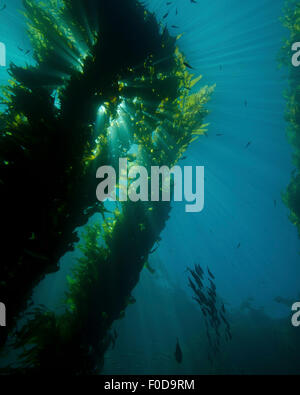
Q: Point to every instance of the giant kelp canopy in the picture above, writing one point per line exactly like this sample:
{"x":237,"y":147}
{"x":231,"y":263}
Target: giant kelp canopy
{"x":108,"y":82}
{"x":291,"y":21}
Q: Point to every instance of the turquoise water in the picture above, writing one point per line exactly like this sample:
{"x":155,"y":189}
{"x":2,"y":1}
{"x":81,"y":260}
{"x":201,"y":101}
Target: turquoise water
{"x":243,"y":236}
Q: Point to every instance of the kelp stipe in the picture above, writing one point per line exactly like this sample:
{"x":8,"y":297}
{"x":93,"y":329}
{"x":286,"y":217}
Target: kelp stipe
{"x":105,"y":80}
{"x":291,"y":21}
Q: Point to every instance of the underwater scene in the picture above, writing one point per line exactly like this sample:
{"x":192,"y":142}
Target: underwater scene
{"x":150,"y":188}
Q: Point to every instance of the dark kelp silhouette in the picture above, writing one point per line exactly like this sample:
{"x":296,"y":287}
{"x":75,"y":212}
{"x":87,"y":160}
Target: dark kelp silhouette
{"x":106,"y":79}
{"x":291,"y":197}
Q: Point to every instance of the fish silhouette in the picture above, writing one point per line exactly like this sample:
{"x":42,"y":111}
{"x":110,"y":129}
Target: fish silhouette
{"x":188,"y":65}
{"x":210,"y":273}
{"x":178,"y":352}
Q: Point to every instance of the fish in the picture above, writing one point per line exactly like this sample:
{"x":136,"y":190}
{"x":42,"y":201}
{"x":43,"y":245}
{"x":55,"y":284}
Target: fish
{"x":176,"y":11}
{"x":219,"y":134}
{"x":212,"y":293}
{"x":248,"y":144}
{"x":192,"y":285}
{"x":3,"y":7}
{"x":194,"y":1}
{"x":212,"y":284}
{"x":175,"y":27}
{"x":238,"y":246}
{"x":212,"y":299}
{"x":212,"y":290}
{"x":178,"y":353}
{"x":202,"y":298}
{"x":165,"y":31}
{"x":246,"y":103}
{"x":197,"y":279}
{"x":275,"y":202}
{"x":200,"y":303}
{"x":213,"y":313}
{"x":164,"y":17}
{"x":199,"y":270}
{"x":210,"y":273}
{"x":153,"y":250}
{"x":188,"y":65}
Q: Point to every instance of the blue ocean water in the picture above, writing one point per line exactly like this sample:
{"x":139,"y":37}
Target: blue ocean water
{"x":243,"y":235}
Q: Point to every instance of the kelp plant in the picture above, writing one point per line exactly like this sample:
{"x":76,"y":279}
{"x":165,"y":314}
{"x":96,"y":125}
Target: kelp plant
{"x":291,"y":21}
{"x":108,"y":82}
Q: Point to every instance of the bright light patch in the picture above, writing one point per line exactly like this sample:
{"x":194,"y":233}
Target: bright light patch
{"x":56,"y":99}
{"x":101,"y":110}
{"x":121,"y":108}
